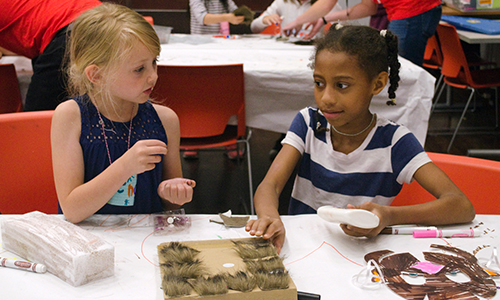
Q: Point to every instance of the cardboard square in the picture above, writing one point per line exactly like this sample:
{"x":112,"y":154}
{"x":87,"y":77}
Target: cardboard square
{"x":219,"y":256}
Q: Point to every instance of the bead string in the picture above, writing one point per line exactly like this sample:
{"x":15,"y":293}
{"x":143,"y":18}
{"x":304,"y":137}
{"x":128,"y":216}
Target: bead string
{"x":106,"y":138}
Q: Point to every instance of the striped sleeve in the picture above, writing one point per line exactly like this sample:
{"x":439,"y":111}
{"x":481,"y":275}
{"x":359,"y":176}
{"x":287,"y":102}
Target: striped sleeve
{"x":198,"y":10}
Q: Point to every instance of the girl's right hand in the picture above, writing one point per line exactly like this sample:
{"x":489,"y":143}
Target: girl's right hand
{"x":144,"y":155}
{"x":272,"y":19}
{"x":269,"y":228}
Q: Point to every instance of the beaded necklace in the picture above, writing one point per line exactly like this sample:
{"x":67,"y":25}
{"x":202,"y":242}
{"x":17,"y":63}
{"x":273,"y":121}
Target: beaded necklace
{"x":106,"y":138}
{"x":355,"y":134}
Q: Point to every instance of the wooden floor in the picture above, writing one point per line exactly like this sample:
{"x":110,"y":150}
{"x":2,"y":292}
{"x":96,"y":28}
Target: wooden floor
{"x":222,"y":184}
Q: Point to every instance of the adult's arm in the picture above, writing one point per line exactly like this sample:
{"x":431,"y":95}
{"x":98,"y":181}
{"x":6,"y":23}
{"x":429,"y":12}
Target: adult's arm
{"x":361,"y":10}
{"x":321,"y":7}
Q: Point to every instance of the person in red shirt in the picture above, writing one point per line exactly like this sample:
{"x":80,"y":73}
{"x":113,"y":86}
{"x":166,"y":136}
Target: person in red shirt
{"x":412,"y":21}
{"x":37,"y":29}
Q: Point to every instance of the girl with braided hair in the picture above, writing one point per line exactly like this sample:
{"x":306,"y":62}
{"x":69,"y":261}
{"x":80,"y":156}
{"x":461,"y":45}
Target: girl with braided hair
{"x":349,"y":157}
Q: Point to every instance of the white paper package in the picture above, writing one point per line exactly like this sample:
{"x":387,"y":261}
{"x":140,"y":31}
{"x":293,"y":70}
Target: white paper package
{"x":68,"y":251}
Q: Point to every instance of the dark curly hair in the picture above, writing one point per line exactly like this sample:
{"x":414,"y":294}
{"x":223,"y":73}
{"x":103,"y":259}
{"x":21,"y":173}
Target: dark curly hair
{"x":375,"y":51}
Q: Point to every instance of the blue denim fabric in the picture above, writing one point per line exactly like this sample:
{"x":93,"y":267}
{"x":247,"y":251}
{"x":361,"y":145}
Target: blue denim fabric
{"x":414,"y":32}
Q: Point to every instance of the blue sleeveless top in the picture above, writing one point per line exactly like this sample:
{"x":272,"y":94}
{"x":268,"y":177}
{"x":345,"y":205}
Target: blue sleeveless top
{"x":145,"y":125}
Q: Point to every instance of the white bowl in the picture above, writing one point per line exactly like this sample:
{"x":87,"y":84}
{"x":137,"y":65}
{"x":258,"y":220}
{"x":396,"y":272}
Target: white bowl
{"x":163,"y":33}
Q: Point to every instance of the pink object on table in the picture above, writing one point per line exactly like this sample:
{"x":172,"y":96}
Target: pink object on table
{"x":428,"y":267}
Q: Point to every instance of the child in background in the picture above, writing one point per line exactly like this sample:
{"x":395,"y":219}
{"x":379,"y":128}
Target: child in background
{"x":283,"y":12}
{"x":110,"y":133}
{"x":348,"y":156}
{"x":206,"y":15}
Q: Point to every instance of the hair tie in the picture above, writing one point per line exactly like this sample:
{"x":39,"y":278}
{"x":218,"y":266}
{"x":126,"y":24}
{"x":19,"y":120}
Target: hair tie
{"x":338,"y":26}
{"x":391,"y":102}
{"x":383,"y":32}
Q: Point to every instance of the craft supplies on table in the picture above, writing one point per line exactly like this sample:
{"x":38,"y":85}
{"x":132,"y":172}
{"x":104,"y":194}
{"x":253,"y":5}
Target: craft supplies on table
{"x":319,"y":257}
{"x":68,"y":251}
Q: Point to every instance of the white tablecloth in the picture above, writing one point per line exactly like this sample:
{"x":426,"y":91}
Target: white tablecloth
{"x":321,"y":259}
{"x":279,"y":81}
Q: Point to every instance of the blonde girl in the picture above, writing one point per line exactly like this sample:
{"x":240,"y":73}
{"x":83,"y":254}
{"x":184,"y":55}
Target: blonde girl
{"x":113,"y":151}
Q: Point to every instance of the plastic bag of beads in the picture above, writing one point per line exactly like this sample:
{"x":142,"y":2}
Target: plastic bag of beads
{"x":171,"y":221}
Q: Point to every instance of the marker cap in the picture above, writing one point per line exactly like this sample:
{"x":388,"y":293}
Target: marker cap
{"x":40,"y":268}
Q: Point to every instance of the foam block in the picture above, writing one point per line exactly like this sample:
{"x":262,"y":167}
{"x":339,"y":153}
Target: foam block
{"x":69,"y":252}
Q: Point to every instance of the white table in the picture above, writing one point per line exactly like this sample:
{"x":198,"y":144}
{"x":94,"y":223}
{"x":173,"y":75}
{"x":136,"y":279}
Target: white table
{"x":478,"y":38}
{"x":279,"y":81}
{"x":488,"y":43}
{"x":321,"y":259}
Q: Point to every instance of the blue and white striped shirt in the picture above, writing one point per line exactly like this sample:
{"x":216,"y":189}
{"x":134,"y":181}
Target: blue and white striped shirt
{"x":374,"y":172}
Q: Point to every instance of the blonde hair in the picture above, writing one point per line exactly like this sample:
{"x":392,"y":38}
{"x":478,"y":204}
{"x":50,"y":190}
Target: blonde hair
{"x":104,"y":36}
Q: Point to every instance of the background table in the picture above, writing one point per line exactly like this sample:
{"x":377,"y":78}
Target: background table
{"x":478,"y":38}
{"x":279,"y":79}
{"x":321,"y":259}
{"x":489,"y":44}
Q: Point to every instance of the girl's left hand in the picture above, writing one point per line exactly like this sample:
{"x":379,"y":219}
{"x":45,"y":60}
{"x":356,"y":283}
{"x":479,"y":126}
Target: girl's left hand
{"x":377,"y":209}
{"x":177,"y":191}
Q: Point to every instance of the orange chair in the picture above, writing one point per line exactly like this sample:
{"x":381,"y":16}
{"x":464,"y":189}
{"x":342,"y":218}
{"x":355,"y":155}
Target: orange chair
{"x":433,"y":58}
{"x":150,"y":20}
{"x":477,"y":178}
{"x":457,"y":73}
{"x":26,"y":177}
{"x":205,"y":98}
{"x":10,"y":95}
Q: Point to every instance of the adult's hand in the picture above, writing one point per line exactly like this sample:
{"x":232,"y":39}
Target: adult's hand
{"x":292,"y":28}
{"x":316,"y":27}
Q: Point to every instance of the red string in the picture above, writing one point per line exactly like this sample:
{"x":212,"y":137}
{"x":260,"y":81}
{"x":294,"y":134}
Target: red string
{"x":142,"y":249}
{"x":104,"y":221}
{"x":325,"y":243}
